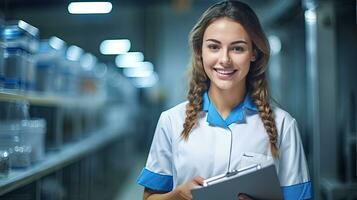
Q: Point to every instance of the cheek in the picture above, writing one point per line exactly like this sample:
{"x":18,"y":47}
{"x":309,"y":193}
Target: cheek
{"x":208,"y":59}
{"x":242,"y":61}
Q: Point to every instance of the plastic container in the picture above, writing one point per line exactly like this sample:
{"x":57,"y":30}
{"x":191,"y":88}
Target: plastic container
{"x":4,"y":164}
{"x":2,"y":78}
{"x":70,"y":70}
{"x":11,"y":140}
{"x":2,"y":47}
{"x":20,"y":41}
{"x":33,"y":134}
{"x":14,"y":110}
{"x":47,"y":64}
{"x":24,"y":140}
{"x":20,"y":155}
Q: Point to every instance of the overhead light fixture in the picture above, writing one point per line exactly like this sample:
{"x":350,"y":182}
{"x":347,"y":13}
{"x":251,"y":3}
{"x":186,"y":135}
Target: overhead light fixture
{"x":89,"y":7}
{"x":129,"y":59}
{"x":146,"y":82}
{"x":113,"y":47}
{"x":140,"y":69}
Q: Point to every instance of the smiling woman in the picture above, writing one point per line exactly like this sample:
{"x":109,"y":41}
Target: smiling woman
{"x":226,"y":55}
{"x":227,"y":122}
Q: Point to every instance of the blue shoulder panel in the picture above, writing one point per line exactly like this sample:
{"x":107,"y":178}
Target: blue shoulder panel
{"x":154,"y":181}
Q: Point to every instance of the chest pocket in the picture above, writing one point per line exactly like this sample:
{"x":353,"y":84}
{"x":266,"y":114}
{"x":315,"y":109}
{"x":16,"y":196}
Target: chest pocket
{"x":250,"y":158}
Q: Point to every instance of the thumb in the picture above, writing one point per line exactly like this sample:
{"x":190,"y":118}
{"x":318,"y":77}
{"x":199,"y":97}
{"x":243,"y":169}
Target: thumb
{"x":198,"y":180}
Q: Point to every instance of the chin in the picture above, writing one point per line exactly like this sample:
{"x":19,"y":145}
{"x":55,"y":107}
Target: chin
{"x":225,"y":86}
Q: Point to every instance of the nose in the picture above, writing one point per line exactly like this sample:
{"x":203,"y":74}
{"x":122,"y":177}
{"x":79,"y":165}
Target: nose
{"x":225,"y":58}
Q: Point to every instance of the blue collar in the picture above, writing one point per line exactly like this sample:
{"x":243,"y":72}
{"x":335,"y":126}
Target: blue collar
{"x":237,"y":114}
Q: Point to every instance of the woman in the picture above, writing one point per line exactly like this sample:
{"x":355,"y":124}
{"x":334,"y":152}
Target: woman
{"x":227,"y":122}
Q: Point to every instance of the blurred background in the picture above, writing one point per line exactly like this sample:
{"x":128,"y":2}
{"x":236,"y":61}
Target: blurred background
{"x":81,"y":90}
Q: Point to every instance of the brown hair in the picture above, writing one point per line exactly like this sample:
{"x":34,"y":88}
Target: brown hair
{"x":256,"y":78}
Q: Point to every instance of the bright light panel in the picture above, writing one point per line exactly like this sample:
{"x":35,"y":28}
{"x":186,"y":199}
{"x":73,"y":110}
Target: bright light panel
{"x":129,"y":59}
{"x":112,"y":47}
{"x":141,"y":69}
{"x":146,"y":82}
{"x":89,"y":7}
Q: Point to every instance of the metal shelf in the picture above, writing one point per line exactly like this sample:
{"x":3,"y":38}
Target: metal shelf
{"x":41,"y":99}
{"x":57,"y":160}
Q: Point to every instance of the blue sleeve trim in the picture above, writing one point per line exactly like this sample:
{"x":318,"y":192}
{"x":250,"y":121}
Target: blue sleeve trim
{"x":298,"y":191}
{"x":154,"y":181}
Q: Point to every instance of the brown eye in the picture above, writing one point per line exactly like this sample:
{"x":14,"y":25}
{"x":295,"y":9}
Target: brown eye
{"x":238,"y":49}
{"x":213,"y":47}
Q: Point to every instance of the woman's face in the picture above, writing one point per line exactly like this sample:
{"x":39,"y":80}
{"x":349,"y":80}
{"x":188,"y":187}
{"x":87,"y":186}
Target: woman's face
{"x":226,"y":54}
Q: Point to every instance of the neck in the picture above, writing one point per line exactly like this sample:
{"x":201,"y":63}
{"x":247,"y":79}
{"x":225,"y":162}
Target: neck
{"x":225,"y":100}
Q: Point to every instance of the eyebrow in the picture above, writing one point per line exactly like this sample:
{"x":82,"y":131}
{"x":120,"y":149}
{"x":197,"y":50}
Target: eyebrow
{"x":235,"y":42}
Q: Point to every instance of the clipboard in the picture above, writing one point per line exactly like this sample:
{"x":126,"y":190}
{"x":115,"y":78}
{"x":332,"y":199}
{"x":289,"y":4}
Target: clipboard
{"x":255,"y":181}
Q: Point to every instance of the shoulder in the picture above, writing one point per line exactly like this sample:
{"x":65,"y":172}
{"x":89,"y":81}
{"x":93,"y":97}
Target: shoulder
{"x":281,"y":115}
{"x":286,"y":124}
{"x":174,"y":115}
{"x":171,"y":120}
{"x":177,"y":112}
{"x":283,"y":119}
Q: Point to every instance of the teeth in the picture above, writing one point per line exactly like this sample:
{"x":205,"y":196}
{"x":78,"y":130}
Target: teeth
{"x":224,"y":71}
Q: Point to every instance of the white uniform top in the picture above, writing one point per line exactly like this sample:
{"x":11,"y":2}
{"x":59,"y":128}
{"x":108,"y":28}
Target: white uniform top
{"x":173,"y":161}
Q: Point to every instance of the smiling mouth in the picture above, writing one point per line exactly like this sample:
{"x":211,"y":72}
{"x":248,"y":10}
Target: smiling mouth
{"x":225,"y":72}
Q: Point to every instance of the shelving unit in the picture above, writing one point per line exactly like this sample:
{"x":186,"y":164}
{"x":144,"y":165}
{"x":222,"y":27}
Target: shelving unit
{"x":57,"y":160}
{"x":52,"y":100}
{"x":76,"y":163}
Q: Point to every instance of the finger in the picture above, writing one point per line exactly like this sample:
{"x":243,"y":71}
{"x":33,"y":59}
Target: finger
{"x":243,"y":197}
{"x":198,"y":180}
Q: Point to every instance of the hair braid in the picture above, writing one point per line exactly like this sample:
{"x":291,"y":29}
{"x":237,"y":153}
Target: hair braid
{"x":198,"y":85}
{"x":259,"y":95}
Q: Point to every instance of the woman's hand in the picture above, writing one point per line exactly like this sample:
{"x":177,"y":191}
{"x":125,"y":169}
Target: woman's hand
{"x":244,"y":197}
{"x":183,"y":191}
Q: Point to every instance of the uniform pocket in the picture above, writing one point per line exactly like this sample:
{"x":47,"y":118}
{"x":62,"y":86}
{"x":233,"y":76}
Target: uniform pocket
{"x":251,"y":158}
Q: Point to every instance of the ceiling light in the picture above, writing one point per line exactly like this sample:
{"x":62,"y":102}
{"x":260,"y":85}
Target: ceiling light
{"x":89,"y":7}
{"x":112,"y":47}
{"x":146,"y":82}
{"x":129,"y":59}
{"x":141,"y":69}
